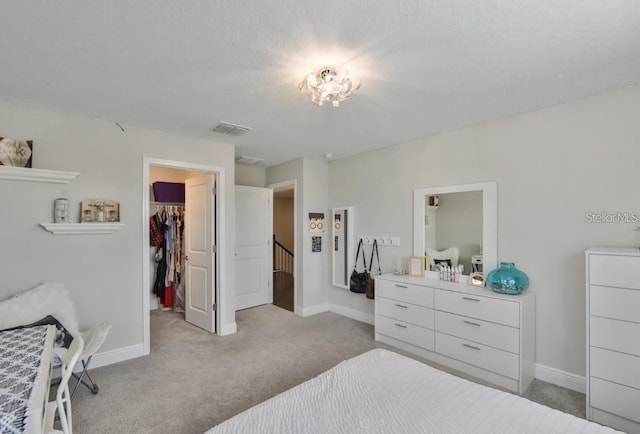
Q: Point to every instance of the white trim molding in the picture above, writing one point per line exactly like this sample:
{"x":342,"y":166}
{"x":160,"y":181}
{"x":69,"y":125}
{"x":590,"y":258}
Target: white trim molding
{"x":37,"y":175}
{"x":311,"y":310}
{"x":228,"y":329}
{"x":118,"y":355}
{"x":82,"y":228}
{"x":106,"y":358}
{"x":574,"y":382}
{"x":352,"y":313}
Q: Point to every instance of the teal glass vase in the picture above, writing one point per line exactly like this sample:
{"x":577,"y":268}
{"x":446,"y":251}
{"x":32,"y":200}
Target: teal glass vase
{"x":507,"y":279}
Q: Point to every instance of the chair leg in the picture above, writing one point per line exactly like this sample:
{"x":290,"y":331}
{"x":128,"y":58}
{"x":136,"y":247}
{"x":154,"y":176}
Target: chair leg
{"x":91,"y":385}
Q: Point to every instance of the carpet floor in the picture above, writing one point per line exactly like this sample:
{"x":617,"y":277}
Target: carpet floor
{"x":193,"y":380}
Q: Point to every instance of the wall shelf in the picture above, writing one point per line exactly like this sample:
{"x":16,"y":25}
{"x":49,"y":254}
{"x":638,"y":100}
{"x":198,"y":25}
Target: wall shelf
{"x":82,"y":228}
{"x":37,"y":175}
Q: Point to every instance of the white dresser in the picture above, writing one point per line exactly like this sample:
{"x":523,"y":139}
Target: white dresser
{"x":468,"y":328}
{"x":613,"y":337}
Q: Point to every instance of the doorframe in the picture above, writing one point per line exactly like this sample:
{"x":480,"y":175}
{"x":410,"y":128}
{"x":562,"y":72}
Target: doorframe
{"x":293,"y":183}
{"x":220,"y":260}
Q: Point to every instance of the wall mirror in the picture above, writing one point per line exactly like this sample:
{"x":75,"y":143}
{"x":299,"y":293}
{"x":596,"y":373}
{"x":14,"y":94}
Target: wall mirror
{"x":462,"y":217}
{"x":342,"y":244}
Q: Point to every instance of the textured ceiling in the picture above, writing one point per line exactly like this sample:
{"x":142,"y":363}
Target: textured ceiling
{"x":426,"y":66}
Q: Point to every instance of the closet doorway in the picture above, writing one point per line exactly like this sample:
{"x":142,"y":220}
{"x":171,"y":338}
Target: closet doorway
{"x":182,"y":250}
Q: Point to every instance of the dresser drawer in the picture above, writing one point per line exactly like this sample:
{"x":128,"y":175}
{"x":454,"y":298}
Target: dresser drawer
{"x":616,"y":367}
{"x":615,"y":398}
{"x":615,"y":335}
{"x":611,"y":270}
{"x":407,"y":312}
{"x":482,"y":356}
{"x":414,"y":294}
{"x":476,"y":306}
{"x":488,"y":333}
{"x":406,"y":332}
{"x":617,"y":303}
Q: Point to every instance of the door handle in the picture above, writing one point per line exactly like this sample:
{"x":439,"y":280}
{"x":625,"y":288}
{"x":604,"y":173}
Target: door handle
{"x":186,"y":258}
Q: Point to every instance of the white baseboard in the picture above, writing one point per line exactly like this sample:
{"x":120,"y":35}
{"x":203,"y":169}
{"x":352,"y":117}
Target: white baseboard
{"x":107,"y":358}
{"x":229,"y":329}
{"x":565,"y":379}
{"x":118,"y":355}
{"x":311,"y":310}
{"x":352,"y":313}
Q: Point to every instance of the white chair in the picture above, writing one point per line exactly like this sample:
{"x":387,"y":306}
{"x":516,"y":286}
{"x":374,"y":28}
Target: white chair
{"x":93,"y":340}
{"x":451,"y":254}
{"x":53,"y":298}
{"x":62,"y":405}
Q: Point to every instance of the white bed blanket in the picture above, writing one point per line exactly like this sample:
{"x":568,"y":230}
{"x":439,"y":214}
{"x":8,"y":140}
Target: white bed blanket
{"x":384,"y":392}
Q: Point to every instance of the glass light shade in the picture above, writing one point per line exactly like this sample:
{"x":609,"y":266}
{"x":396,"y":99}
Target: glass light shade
{"x":326,"y":85}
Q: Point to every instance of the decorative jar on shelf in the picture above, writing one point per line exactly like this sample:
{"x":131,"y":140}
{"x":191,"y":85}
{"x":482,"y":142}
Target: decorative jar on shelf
{"x":61,"y":210}
{"x":507,"y":279}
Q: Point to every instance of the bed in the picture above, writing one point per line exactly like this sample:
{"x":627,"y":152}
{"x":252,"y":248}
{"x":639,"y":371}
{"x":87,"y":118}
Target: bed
{"x":384,"y":392}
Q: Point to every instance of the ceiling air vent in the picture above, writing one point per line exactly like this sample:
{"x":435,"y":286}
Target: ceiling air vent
{"x":231,"y":129}
{"x":248,"y":160}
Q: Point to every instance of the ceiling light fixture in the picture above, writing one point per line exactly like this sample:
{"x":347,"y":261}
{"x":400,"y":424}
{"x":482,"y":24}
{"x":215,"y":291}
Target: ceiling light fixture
{"x":326,"y":85}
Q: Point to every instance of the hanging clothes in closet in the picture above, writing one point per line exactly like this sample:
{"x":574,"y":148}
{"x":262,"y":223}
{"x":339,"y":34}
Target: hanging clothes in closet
{"x":166,"y":229}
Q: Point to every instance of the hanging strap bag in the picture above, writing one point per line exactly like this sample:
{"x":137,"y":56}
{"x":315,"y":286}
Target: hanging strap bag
{"x":370,"y":288}
{"x":358,"y":281}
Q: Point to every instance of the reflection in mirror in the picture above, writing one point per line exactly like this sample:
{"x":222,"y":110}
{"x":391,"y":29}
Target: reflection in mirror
{"x":462,"y":218}
{"x":342,"y":245}
{"x":456,"y":222}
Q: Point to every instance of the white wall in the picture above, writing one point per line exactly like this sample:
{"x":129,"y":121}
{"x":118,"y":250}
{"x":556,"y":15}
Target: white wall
{"x":316,"y":265}
{"x":312,"y":269}
{"x":103,"y":272}
{"x":552,"y":166}
{"x":253,"y":176}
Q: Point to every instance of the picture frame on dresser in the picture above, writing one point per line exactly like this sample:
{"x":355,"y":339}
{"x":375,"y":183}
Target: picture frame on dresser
{"x":416,"y":266}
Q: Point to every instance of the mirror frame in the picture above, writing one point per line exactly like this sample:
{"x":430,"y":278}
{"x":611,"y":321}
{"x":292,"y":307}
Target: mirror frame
{"x":489,"y":218}
{"x":348,"y":231}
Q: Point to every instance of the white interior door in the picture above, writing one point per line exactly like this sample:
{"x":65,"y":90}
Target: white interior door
{"x":254,"y":256}
{"x":200,"y":260}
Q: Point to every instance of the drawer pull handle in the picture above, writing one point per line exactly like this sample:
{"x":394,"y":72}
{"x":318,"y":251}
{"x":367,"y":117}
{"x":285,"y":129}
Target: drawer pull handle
{"x":401,"y":286}
{"x":471,"y":346}
{"x":402,"y":306}
{"x":471,"y":323}
{"x":470,"y":299}
{"x":401,"y":325}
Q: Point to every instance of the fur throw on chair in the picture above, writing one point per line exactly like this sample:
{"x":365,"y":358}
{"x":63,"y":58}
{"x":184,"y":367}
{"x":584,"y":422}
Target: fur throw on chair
{"x":35,"y":304}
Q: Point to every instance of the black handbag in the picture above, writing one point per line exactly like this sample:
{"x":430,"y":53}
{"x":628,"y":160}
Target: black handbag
{"x":370,"y":288}
{"x":358,"y":281}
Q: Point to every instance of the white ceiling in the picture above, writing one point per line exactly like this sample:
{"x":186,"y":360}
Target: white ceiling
{"x":426,"y":66}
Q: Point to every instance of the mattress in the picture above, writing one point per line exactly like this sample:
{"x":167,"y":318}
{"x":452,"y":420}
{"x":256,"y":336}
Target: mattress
{"x":384,"y":392}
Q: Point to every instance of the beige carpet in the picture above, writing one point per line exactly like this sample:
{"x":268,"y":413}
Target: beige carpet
{"x":194,"y":380}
